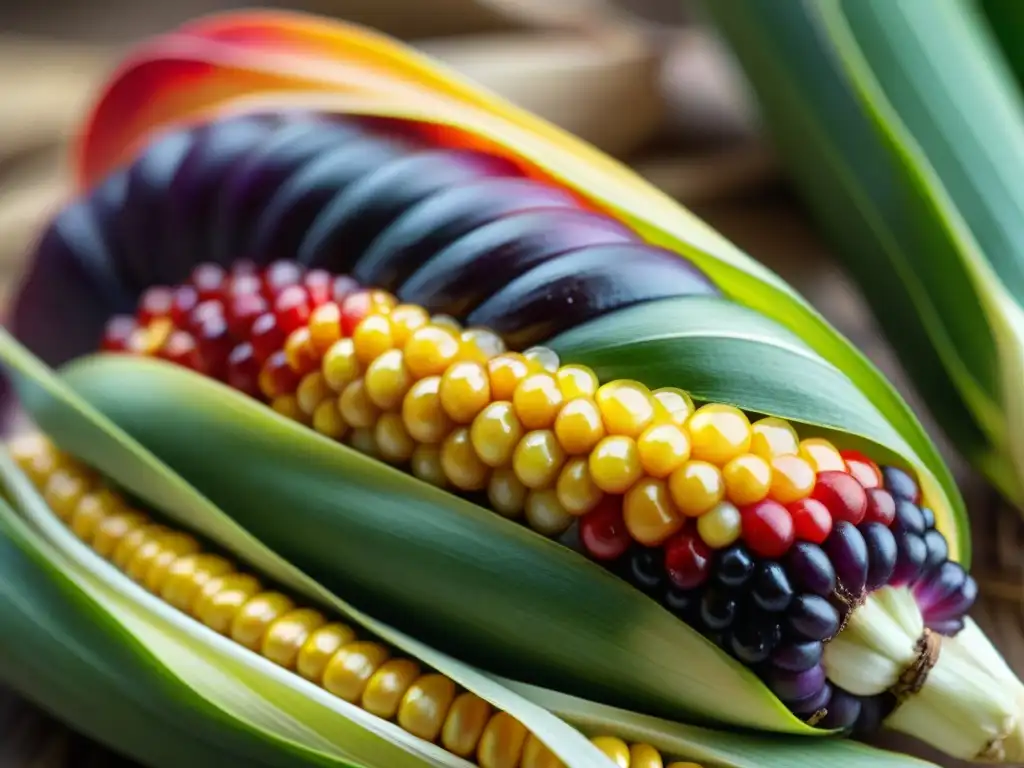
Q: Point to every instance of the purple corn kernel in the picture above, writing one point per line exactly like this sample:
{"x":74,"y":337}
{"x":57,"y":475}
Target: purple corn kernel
{"x":813,"y":617}
{"x":735,"y":567}
{"x":947,"y":580}
{"x":771,"y":590}
{"x":798,"y":657}
{"x":929,"y":518}
{"x":911,"y":553}
{"x":956,"y":605}
{"x":810,"y":570}
{"x":797,"y":686}
{"x":849,"y":555}
{"x":872,"y":711}
{"x":812,"y":704}
{"x":881,"y":546}
{"x":717,"y":609}
{"x":900,"y":484}
{"x":947,"y":627}
{"x":843,"y":710}
{"x":937,"y":550}
{"x":908,"y":518}
{"x":754,"y":639}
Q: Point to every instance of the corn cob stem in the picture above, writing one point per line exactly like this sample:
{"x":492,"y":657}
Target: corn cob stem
{"x":360,"y":670}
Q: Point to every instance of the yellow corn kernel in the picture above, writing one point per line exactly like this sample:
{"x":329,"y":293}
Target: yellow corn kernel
{"x":644,"y":756}
{"x":430,"y":350}
{"x":792,"y":479}
{"x":425,"y":706}
{"x":545,"y":514}
{"x":312,"y":391}
{"x":538,"y":459}
{"x":465,"y":390}
{"x":324,"y":326}
{"x":821,"y":455}
{"x":37,"y":456}
{"x":132,"y":541}
{"x":288,"y":406}
{"x":501,"y":744}
{"x":537,"y":755}
{"x":649,"y":513}
{"x":627,"y":407}
{"x":357,"y":409}
{"x":543,"y":358}
{"x":448,"y":322}
{"x":299,"y":352}
{"x":480,"y":345}
{"x":719,"y":433}
{"x":394,"y":443}
{"x":364,"y":441}
{"x":320,"y":648}
{"x":461,"y":464}
{"x":64,"y":489}
{"x":351,"y":668}
{"x":327,"y":420}
{"x":579,"y":426}
{"x":615,"y":749}
{"x":537,"y":400}
{"x":577,"y":491}
{"x":387,"y":380}
{"x":187,"y":576}
{"x":423,"y":414}
{"x":495,"y":433}
{"x":506,"y":371}
{"x":372,"y":338}
{"x":340,"y":366}
{"x":696,"y":487}
{"x":676,"y":404}
{"x":255,"y":617}
{"x":576,"y":381}
{"x":465,"y":723}
{"x":506,"y":493}
{"x":388,"y":685}
{"x":720,"y":526}
{"x":771,"y":437}
{"x":663,"y":449}
{"x":286,"y":635}
{"x":747,"y":479}
{"x":113,"y":529}
{"x":405,"y":319}
{"x":170,"y":549}
{"x":91,"y":509}
{"x":426,"y":465}
{"x":221,"y":599}
{"x":615,"y":464}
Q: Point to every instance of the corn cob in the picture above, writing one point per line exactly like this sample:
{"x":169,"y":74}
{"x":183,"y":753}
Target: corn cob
{"x":206,"y":586}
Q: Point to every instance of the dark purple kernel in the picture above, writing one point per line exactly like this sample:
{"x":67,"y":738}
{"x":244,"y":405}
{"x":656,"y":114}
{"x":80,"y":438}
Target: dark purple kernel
{"x":771,"y":590}
{"x":938,"y":550}
{"x":753,"y":640}
{"x":843,"y":711}
{"x":929,"y":518}
{"x":956,"y":605}
{"x":717,"y":609}
{"x":813,"y":617}
{"x":930,"y":591}
{"x":797,"y":686}
{"x":947,"y":627}
{"x":812,"y":704}
{"x":684,"y":604}
{"x":797,"y":657}
{"x":849,"y":555}
{"x":810,"y":569}
{"x":881,"y":546}
{"x":908,"y":517}
{"x":911,"y":553}
{"x":735,"y":566}
{"x":646,"y":568}
{"x":900,"y":484}
{"x":872,"y":711}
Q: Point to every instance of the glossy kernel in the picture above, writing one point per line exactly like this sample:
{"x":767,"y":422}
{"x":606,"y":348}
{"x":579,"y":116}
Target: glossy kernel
{"x":577,"y":491}
{"x":649,"y":513}
{"x":821,"y":455}
{"x":286,"y":636}
{"x":537,"y":400}
{"x":545,"y":513}
{"x":387,"y":380}
{"x":501,"y":744}
{"x":394,"y":443}
{"x":748,"y":478}
{"x":385,"y":689}
{"x":579,"y":426}
{"x":465,"y":723}
{"x":187,"y":576}
{"x":171,"y":549}
{"x":320,"y":648}
{"x":339,"y":365}
{"x":576,"y":381}
{"x":465,"y":390}
{"x":538,"y":458}
{"x":256,"y":616}
{"x":496,"y":431}
{"x":615,"y":464}
{"x":405,"y":320}
{"x":537,"y":755}
{"x":771,"y":437}
{"x":696,"y":487}
{"x":112,"y":529}
{"x":327,"y":420}
{"x":423,"y":414}
{"x":627,"y":407}
{"x":663,"y":449}
{"x":506,"y":371}
{"x":132,"y":540}
{"x":299,"y":352}
{"x":91,"y":509}
{"x":645,"y":756}
{"x":222,"y":598}
{"x":676,"y":404}
{"x":425,"y":706}
{"x":542,"y":358}
{"x":63,"y":490}
{"x":313,"y":390}
{"x":277,"y":377}
{"x":372,"y":338}
{"x":325,"y":326}
{"x":355,"y":405}
{"x":461,"y":464}
{"x":480,"y":345}
{"x":351,"y":668}
{"x":426,"y":465}
{"x":719,"y":433}
{"x":792,"y":479}
{"x":288,"y":406}
{"x":721,"y":526}
{"x":506,"y":493}
{"x":430,"y":350}
{"x":615,"y":749}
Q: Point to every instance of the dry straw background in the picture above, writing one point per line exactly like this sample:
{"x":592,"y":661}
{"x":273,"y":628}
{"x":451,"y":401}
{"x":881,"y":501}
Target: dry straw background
{"x":641,"y":79}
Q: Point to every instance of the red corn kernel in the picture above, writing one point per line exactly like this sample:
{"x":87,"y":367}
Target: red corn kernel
{"x":214,"y":342}
{"x":242,"y":312}
{"x":266,"y":336}
{"x":243,"y":370}
{"x":243,"y":267}
{"x":603,"y":532}
{"x":243,"y":285}
{"x":117,"y":332}
{"x":342,"y":287}
{"x":864,"y":469}
{"x":842,"y":494}
{"x":354,"y":310}
{"x":292,"y":308}
{"x":298,"y":350}
{"x":185,"y":300}
{"x":276,"y":377}
{"x":811,"y":520}
{"x":209,"y":280}
{"x":881,"y":507}
{"x":687,"y":560}
{"x":767,"y":528}
{"x":156,"y":302}
{"x":317,"y":283}
{"x":203,"y":311}
{"x":280,"y":275}
{"x":181,"y":348}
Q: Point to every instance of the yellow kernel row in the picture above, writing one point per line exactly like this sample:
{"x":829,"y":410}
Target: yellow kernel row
{"x":206,"y":586}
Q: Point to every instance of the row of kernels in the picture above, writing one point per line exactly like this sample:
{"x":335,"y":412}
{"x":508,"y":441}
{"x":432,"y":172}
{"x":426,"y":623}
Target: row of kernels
{"x":302,"y":640}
